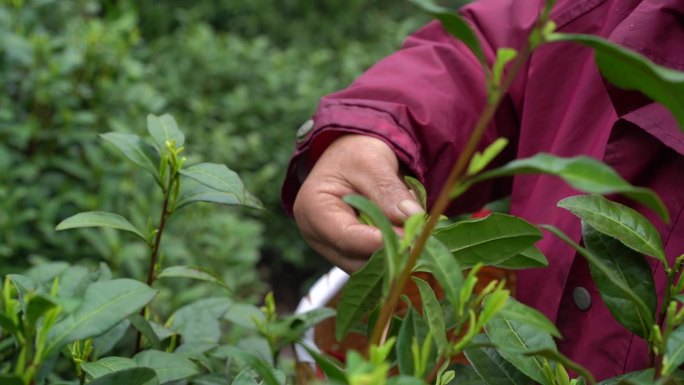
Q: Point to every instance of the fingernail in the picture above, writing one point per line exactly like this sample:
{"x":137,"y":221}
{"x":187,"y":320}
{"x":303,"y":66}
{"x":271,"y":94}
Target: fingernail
{"x":409,"y":207}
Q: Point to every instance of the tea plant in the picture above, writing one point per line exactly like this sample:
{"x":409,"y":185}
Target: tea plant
{"x":506,"y":341}
{"x":55,"y":311}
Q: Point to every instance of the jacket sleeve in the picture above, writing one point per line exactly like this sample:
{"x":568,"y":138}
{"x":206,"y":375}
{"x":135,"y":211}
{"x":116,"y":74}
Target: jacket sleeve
{"x":423,"y":100}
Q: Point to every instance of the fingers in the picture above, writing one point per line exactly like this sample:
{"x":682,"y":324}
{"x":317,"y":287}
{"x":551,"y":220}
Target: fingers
{"x":351,"y":165}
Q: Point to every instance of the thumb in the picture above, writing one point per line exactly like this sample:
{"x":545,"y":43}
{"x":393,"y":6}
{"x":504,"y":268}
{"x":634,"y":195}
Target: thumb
{"x":392,"y":196}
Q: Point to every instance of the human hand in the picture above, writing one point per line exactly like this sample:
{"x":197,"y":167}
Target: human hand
{"x":352,"y":164}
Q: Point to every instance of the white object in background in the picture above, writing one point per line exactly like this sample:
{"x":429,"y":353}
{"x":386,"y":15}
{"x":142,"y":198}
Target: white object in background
{"x":319,"y":295}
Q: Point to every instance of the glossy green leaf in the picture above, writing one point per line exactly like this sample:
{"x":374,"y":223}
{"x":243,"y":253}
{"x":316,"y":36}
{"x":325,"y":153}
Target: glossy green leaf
{"x":439,"y":261}
{"x":455,"y":25}
{"x":674,"y":351}
{"x":105,"y":342}
{"x":632,"y":71}
{"x":10,"y":379}
{"x":7,"y":324}
{"x":143,"y":327}
{"x":192,"y":272}
{"x":555,"y":356}
{"x":617,"y":221}
{"x":290,"y":329}
{"x":404,"y":380}
{"x":632,"y":269}
{"x":331,"y":369}
{"x":164,"y":128}
{"x":390,"y":240}
{"x":582,"y":173}
{"x":360,"y":295}
{"x":107,"y":365}
{"x":466,"y":375}
{"x":597,"y":264}
{"x":413,"y":327}
{"x":105,"y":305}
{"x":245,"y":378}
{"x":244,"y":314}
{"x":132,"y":376}
{"x":268,"y":374}
{"x":36,"y":306}
{"x":99,"y":219}
{"x":513,"y":337}
{"x":418,"y":189}
{"x":202,"y":193}
{"x":490,"y":240}
{"x":135,"y":149}
{"x":168,"y":366}
{"x":491,"y":366}
{"x":638,"y":377}
{"x":432,"y":311}
{"x":529,"y":258}
{"x":217,"y":176}
{"x":522,"y":313}
{"x":480,"y":160}
{"x":199,"y":320}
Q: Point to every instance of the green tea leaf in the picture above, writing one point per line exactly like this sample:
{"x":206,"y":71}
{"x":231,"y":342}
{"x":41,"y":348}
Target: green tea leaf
{"x":564,"y":361}
{"x":217,"y":176}
{"x":202,"y":193}
{"x":489,"y":240}
{"x":413,"y":327}
{"x":244,"y":378}
{"x":105,"y":305}
{"x":107,"y":365}
{"x":522,"y":313}
{"x":144,"y":327}
{"x":503,"y":56}
{"x":582,"y":173}
{"x":99,"y":219}
{"x":674,"y":351}
{"x":199,"y":321}
{"x":632,"y":71}
{"x":105,"y":342}
{"x":512,"y":337}
{"x":132,"y":376}
{"x":331,"y":369}
{"x":10,"y":379}
{"x":618,"y":221}
{"x":418,"y":189}
{"x":529,"y":258}
{"x":192,"y":272}
{"x":164,"y":128}
{"x":291,"y":328}
{"x":268,"y":374}
{"x":360,"y":295}
{"x":610,"y":275}
{"x":441,"y":263}
{"x":167,"y":366}
{"x":491,"y":366}
{"x":37,"y":306}
{"x":7,"y":324}
{"x":456,"y":26}
{"x":390,"y":240}
{"x":480,"y":160}
{"x":432,"y":311}
{"x":633,"y":271}
{"x":136,"y":150}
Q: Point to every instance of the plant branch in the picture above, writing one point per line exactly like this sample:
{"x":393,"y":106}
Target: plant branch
{"x":443,"y":200}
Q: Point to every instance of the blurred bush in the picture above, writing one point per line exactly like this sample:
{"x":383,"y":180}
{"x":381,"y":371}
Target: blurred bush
{"x":239,"y":76}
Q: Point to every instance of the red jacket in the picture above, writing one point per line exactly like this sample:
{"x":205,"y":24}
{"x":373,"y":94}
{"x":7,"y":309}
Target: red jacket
{"x":424,"y":99}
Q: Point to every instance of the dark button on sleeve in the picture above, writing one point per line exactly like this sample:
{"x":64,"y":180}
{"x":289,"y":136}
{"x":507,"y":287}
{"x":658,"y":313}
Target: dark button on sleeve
{"x":582,"y":298}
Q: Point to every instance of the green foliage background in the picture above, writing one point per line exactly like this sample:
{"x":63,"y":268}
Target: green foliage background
{"x":239,"y":76}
